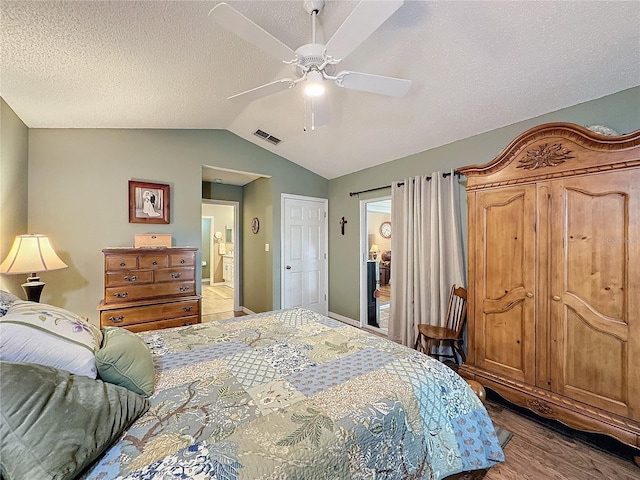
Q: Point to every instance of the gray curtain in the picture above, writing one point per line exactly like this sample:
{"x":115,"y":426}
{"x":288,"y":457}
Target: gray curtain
{"x":427,"y":248}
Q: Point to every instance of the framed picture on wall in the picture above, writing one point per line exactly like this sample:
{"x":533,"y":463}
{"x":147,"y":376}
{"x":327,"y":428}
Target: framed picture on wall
{"x":148,"y":202}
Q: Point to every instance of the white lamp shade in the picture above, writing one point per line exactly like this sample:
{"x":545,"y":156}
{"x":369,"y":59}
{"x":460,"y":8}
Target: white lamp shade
{"x":31,"y":254}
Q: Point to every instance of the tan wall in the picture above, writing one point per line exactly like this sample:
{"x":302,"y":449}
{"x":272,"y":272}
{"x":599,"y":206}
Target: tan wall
{"x":375,"y":220}
{"x":14,"y":162}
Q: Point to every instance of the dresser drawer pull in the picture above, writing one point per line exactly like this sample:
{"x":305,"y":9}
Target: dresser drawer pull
{"x":117,"y":319}
{"x":131,"y":279}
{"x":187,"y":323}
{"x":154,"y":262}
{"x":123,"y":264}
{"x":184,"y":289}
{"x":183,"y":261}
{"x":121,"y":295}
{"x":187,"y":309}
{"x":176,"y":275}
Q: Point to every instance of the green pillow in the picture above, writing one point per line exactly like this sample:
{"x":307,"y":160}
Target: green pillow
{"x":54,"y":424}
{"x":124,"y":359}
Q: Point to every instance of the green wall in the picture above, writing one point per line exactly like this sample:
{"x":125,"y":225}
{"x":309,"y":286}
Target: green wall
{"x":620,"y":111}
{"x":256,"y":263}
{"x":78,"y":193}
{"x":14,"y":161}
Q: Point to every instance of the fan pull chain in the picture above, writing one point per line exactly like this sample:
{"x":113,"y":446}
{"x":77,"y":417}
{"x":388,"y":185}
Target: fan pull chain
{"x":304,"y":119}
{"x":314,"y":13}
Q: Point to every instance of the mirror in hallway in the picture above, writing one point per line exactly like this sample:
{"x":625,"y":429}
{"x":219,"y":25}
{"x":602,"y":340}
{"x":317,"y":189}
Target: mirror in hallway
{"x":376,"y":231}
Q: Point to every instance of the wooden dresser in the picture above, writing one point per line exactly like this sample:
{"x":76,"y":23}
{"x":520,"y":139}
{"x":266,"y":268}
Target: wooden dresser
{"x":554,"y":277}
{"x":149,"y":288}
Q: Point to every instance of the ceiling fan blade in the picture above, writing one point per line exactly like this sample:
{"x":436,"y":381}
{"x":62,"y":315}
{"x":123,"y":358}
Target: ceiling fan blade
{"x":394,"y":87}
{"x":362,"y":22}
{"x":232,"y":20}
{"x":264,"y":90}
{"x":317,"y":111}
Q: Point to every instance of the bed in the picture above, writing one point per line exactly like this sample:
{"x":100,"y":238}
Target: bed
{"x":293,"y":394}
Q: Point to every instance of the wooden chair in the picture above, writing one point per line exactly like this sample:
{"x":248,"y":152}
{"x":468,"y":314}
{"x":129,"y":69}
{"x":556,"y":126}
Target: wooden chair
{"x":451,"y":334}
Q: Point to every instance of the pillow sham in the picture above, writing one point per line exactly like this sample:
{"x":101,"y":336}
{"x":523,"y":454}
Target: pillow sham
{"x":6,"y":300}
{"x":39,"y":333}
{"x":55,"y":424}
{"x":124,"y":359}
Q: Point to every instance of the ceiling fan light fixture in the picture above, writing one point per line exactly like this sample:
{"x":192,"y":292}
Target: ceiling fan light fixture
{"x":314,"y":86}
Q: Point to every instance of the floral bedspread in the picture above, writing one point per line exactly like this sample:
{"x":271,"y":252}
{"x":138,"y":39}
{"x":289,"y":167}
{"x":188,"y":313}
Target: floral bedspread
{"x":293,"y":394}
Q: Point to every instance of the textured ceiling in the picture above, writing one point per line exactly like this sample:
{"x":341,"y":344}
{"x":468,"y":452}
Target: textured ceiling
{"x":475,"y":66}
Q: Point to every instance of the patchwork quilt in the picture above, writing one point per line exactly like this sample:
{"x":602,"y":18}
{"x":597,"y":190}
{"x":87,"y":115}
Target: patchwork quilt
{"x":293,"y":394}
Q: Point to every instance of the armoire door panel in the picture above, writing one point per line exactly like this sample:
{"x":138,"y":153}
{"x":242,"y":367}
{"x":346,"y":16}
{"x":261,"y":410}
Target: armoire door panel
{"x":593,"y":223}
{"x":504,"y":331}
{"x":594,"y":366}
{"x":594,"y":290}
{"x":504,"y":299}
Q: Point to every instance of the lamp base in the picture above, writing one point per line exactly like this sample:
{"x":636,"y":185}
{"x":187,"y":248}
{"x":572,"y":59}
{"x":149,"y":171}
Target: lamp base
{"x":33,"y":288}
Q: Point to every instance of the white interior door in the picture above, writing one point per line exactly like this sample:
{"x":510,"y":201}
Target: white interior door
{"x":304,"y":253}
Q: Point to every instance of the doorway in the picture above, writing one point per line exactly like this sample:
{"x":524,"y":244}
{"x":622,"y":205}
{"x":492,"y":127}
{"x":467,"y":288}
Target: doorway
{"x":375,"y":272}
{"x":220,"y":260}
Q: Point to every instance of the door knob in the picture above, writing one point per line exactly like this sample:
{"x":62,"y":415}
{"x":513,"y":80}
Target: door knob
{"x":288,"y":267}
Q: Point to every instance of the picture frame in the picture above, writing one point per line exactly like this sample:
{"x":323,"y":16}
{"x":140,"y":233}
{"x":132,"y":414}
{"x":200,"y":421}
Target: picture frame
{"x":149,"y":202}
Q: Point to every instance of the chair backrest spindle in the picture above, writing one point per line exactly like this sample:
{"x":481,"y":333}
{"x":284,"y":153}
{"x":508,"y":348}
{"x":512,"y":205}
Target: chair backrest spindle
{"x":457,"y":309}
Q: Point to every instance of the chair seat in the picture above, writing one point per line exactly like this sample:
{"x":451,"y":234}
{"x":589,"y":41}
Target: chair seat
{"x":437,"y":333}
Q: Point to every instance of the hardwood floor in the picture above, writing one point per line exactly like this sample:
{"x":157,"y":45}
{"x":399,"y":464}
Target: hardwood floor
{"x":538,"y":452}
{"x":385,"y":293}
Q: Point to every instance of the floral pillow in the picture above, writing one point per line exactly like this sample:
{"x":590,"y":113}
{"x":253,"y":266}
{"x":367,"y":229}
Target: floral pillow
{"x":38,"y":333}
{"x":6,"y":300}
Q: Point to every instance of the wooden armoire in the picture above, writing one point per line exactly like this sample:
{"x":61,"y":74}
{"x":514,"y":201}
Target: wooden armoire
{"x":554,"y":277}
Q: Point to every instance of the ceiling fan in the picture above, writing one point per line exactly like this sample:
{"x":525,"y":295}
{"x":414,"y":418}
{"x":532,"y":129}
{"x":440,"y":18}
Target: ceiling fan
{"x":314,"y":63}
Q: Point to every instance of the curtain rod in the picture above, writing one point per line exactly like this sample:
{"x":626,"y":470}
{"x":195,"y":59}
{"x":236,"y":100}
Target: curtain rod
{"x":445,"y":175}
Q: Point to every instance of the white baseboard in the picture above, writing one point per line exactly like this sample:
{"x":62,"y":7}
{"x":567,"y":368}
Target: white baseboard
{"x":343,"y":319}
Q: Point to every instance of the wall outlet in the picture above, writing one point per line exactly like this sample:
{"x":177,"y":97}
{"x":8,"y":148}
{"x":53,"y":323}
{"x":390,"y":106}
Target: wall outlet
{"x":266,"y":247}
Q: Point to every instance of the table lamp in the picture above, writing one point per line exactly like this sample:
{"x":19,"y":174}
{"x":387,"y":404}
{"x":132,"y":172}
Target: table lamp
{"x":31,"y":254}
{"x":374,"y":251}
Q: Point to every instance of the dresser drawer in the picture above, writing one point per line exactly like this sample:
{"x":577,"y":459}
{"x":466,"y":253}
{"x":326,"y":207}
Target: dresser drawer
{"x":153,"y":261}
{"x":175,"y":274}
{"x":130,"y":293}
{"x":131,"y":277}
{"x":119,"y":317}
{"x":176,"y":322}
{"x":121,"y":262}
{"x":182,"y":259}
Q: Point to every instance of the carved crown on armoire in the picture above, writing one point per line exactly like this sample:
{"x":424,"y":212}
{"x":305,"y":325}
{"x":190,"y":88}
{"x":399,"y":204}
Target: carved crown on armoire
{"x":554,"y":277}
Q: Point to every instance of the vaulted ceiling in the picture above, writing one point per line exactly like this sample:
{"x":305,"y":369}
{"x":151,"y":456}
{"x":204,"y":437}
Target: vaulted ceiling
{"x":475,"y":66}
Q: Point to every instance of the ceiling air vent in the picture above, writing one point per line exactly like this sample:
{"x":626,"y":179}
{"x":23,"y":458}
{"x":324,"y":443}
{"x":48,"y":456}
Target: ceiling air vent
{"x":267,"y":136}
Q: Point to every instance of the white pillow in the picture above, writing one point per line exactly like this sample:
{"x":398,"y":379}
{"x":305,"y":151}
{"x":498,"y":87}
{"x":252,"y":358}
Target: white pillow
{"x":38,"y":333}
